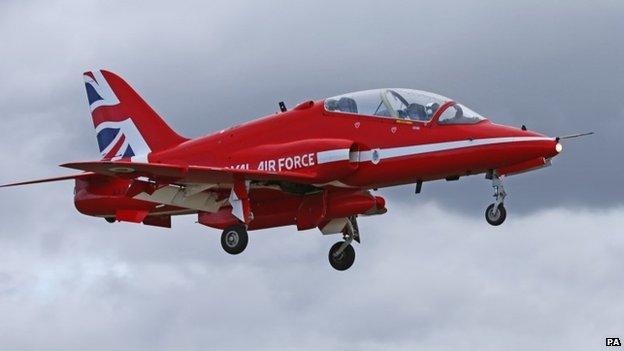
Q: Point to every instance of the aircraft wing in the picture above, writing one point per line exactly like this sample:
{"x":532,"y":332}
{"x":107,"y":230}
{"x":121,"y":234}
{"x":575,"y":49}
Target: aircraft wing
{"x":55,"y":179}
{"x":177,"y":174}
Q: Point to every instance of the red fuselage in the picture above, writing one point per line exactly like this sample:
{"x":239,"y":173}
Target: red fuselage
{"x":380,"y":152}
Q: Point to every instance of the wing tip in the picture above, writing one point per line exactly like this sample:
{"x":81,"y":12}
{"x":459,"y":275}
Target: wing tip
{"x":48,"y":180}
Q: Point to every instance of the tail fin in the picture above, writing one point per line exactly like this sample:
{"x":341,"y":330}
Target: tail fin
{"x":126,"y":126}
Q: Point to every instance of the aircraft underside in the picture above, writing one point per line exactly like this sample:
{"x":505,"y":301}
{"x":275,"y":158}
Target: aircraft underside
{"x":333,"y":210}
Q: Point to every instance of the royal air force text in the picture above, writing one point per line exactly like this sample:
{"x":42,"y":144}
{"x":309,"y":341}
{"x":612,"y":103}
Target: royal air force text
{"x":282,"y":164}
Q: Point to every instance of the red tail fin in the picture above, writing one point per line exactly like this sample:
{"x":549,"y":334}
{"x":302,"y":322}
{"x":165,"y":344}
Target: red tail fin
{"x":126,"y":126}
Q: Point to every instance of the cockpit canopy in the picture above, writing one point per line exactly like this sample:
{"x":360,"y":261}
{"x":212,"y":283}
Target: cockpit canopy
{"x":408,"y":104}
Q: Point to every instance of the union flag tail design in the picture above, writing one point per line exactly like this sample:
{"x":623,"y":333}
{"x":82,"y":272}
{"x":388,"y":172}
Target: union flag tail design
{"x":125,"y":125}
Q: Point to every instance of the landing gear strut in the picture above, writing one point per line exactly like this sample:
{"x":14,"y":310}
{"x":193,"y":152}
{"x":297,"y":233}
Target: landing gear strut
{"x":234,"y":239}
{"x":342,"y":254}
{"x":495,"y":214}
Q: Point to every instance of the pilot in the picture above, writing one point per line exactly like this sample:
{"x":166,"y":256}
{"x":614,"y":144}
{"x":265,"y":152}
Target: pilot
{"x":331,"y":105}
{"x":346,"y":104}
{"x":416,"y":112}
{"x":459,"y":113}
{"x":431,"y":109}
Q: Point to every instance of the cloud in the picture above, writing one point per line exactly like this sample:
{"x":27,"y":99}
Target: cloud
{"x":548,"y":280}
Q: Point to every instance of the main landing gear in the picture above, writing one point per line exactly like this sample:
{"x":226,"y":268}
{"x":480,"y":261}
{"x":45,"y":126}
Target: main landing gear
{"x":495,"y":214}
{"x":234,"y":239}
{"x":342,"y":255}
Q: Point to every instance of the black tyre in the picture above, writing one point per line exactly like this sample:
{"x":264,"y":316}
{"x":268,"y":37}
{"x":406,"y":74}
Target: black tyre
{"x":110,"y":219}
{"x":234,"y":239}
{"x":495,"y":216}
{"x":344,"y":260}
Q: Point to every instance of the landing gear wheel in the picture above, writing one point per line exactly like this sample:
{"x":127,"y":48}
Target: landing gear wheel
{"x":343,"y":260}
{"x":234,"y":239}
{"x":110,"y":219}
{"x":495,"y":216}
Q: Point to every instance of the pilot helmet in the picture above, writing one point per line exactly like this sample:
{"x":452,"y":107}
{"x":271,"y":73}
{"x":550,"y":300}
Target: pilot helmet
{"x":431,"y":108}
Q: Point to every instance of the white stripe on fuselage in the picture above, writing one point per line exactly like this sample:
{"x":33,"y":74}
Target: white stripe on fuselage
{"x":332,"y":156}
{"x":367,"y":156}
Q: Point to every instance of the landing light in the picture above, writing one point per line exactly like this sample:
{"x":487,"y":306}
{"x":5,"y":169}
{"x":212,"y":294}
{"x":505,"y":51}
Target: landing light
{"x":558,"y":147}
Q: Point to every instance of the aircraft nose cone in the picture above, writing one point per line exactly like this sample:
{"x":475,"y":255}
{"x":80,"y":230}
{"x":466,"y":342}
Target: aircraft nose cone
{"x":552,"y":149}
{"x":548,"y":148}
{"x":543,"y":146}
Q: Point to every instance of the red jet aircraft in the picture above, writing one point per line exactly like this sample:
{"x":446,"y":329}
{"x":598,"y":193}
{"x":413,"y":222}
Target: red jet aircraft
{"x":313,"y":166}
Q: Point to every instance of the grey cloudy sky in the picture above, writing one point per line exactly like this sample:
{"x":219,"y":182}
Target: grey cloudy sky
{"x":430,"y":274}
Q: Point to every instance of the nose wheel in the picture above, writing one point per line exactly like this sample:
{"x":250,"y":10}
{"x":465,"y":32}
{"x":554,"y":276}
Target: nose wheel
{"x":495,"y":214}
{"x":342,"y":255}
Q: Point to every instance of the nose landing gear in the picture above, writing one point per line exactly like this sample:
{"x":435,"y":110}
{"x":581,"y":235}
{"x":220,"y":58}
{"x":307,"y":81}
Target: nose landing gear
{"x":342,"y":255}
{"x":495,"y":214}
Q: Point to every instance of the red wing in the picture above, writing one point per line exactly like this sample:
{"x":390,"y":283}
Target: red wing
{"x":55,"y":179}
{"x":185,"y":174}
